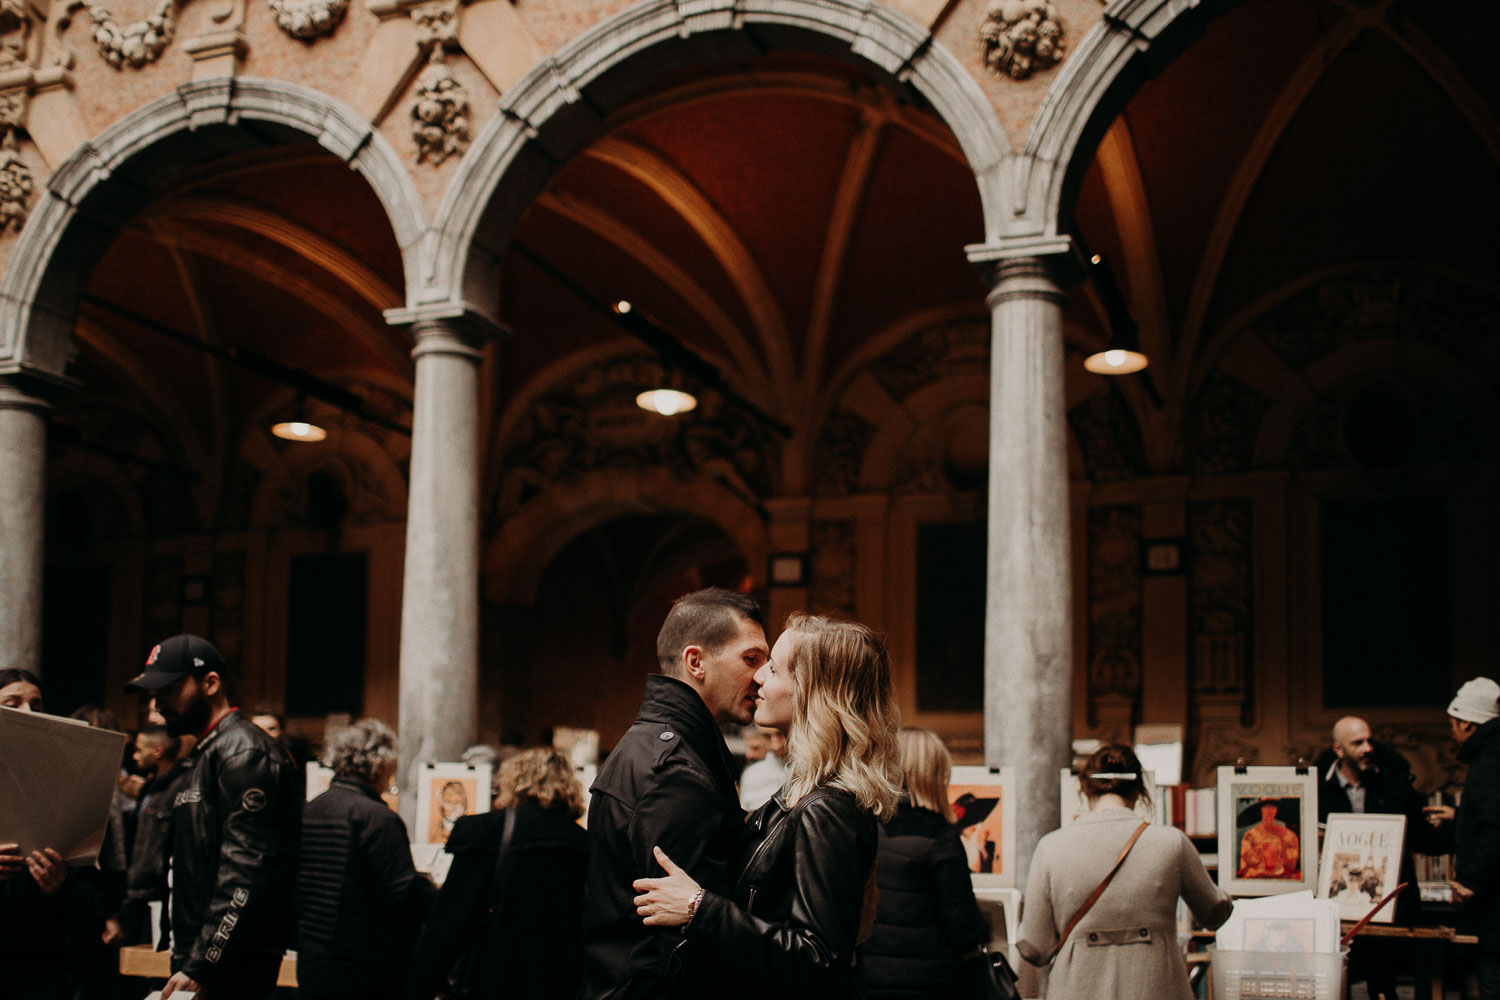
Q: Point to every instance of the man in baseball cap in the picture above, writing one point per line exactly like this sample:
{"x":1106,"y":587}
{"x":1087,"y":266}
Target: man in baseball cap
{"x":235,"y":830}
{"x":1474,"y":720}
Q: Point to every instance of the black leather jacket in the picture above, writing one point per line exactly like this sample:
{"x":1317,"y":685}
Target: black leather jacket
{"x":235,"y":826}
{"x":669,"y":782}
{"x":790,"y":925}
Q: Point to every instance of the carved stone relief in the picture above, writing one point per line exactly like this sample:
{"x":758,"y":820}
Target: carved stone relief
{"x":1109,"y":437}
{"x":1019,"y":37}
{"x":591,"y":423}
{"x":1222,"y":425}
{"x":1219,"y":605}
{"x":937,"y":352}
{"x":16,"y":185}
{"x":340,"y":491}
{"x":840,"y":453}
{"x":309,"y":19}
{"x":831,"y":568}
{"x":136,"y":44}
{"x":440,"y":113}
{"x":1114,"y":601}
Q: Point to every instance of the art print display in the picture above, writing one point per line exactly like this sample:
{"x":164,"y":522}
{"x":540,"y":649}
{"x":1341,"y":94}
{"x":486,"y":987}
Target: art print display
{"x":1361,"y":862}
{"x":318,"y":779}
{"x":56,"y":780}
{"x":446,"y":794}
{"x":984,"y":808}
{"x":1268,"y":823}
{"x":1272,"y":935}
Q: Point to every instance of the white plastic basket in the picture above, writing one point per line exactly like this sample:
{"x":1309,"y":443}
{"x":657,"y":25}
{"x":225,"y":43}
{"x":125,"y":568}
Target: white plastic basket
{"x":1266,"y":975}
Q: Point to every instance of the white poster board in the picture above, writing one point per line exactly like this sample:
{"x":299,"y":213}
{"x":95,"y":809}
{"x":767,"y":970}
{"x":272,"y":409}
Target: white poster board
{"x":1268,"y":830}
{"x":56,"y":780}
{"x":447,"y":792}
{"x":1361,"y":862}
{"x":984,"y":803}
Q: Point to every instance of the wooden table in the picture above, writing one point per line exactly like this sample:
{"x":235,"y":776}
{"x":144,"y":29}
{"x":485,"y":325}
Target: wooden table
{"x":143,"y":960}
{"x":1430,"y":948}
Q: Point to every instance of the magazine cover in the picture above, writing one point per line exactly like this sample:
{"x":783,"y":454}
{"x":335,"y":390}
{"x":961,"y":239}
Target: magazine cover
{"x":447,"y":793}
{"x":984,"y":808}
{"x":1268,"y":830}
{"x":1361,"y":862}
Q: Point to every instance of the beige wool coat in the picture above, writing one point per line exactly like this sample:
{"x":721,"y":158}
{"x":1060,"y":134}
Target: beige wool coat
{"x":1125,"y":948}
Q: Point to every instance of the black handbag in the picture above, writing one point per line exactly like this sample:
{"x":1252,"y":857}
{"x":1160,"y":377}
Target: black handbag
{"x":991,"y":977}
{"x":461,"y":978}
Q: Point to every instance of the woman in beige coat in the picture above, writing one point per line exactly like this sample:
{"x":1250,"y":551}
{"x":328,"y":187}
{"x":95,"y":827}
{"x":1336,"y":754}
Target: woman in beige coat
{"x":1126,"y":946}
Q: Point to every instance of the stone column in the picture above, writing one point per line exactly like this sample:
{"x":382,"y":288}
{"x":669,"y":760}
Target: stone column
{"x":23,"y":493}
{"x":1028,"y":649}
{"x":440,"y":594}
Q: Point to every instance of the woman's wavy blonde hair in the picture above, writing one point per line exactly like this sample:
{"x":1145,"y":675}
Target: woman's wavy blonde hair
{"x":844,"y":729}
{"x":927,"y":767}
{"x":543,"y":775}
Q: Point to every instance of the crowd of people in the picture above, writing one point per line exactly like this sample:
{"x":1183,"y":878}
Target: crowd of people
{"x":831,"y":866}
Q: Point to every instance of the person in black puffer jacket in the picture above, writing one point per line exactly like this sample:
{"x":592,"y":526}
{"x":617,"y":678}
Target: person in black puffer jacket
{"x":360,"y":902}
{"x":927,"y":922}
{"x":526,"y":939}
{"x":805,"y":894}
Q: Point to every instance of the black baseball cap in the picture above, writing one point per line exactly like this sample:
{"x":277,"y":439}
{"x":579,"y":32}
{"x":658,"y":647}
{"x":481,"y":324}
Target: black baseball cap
{"x":176,"y":657}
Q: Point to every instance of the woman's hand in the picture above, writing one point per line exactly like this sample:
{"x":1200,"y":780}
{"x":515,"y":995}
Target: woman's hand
{"x":11,"y":863}
{"x":47,"y":869}
{"x":663,"y":902}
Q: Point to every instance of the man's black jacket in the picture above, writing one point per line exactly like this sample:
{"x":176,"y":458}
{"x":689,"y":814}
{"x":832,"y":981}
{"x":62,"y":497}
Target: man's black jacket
{"x":360,"y":901}
{"x":234,"y":852}
{"x":670,"y":783}
{"x":1477,"y":860}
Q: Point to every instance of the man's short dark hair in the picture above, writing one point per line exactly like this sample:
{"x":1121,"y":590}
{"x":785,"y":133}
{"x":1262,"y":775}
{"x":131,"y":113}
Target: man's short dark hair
{"x":708,"y":618}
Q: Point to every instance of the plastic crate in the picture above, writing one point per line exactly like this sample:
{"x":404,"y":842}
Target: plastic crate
{"x":1265,"y":975}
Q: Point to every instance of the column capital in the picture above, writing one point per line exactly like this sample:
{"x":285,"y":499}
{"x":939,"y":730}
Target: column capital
{"x":1055,"y":259}
{"x":19,"y":391}
{"x":448,"y":328}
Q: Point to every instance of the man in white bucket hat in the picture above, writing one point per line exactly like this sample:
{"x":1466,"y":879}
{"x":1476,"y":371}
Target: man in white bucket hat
{"x":1474,"y":719}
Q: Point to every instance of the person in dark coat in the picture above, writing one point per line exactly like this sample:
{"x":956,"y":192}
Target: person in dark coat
{"x":1474,"y":720}
{"x":531,"y":946}
{"x":804,"y":898}
{"x":928,"y":922}
{"x":670,"y":782}
{"x":43,"y":911}
{"x":360,"y":902}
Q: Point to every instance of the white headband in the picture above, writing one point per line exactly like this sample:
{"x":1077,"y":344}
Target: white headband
{"x":1115,"y":776}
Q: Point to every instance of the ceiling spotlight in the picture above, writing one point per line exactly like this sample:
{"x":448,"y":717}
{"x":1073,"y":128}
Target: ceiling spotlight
{"x":667,"y":402}
{"x":1115,"y":361}
{"x":299,"y":428}
{"x":622,"y":307}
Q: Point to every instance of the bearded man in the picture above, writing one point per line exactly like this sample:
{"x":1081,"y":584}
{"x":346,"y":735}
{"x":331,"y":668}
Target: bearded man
{"x":236,"y":821}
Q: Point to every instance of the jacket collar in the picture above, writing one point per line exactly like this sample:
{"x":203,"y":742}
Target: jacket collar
{"x":226,"y":722}
{"x":1483,"y":735}
{"x":358,"y":786}
{"x":671,"y":701}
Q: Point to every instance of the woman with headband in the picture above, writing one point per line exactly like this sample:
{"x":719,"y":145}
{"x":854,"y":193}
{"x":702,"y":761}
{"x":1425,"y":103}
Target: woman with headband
{"x":1125,"y":944}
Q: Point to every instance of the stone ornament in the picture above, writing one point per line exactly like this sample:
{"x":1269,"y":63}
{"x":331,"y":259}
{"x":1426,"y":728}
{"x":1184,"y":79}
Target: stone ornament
{"x":309,"y":19}
{"x":16,"y":185}
{"x":1021,"y":36}
{"x":440,"y":114}
{"x":138,"y":43}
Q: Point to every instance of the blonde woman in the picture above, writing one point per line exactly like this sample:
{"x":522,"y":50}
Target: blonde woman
{"x":928,"y":922}
{"x":528,"y":928}
{"x":806,"y":868}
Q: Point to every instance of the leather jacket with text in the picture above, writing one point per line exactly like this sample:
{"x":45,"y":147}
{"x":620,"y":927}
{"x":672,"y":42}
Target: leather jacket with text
{"x":235,"y":833}
{"x":792,"y":921}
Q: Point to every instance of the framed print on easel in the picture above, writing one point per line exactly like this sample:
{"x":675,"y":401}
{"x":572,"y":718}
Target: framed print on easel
{"x":984,"y":805}
{"x":1268,"y":830}
{"x":1362,"y":862}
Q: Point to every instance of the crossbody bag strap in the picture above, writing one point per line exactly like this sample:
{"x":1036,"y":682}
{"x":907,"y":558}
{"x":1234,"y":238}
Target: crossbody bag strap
{"x":1088,"y":904}
{"x":505,"y":834}
{"x":482,"y":929}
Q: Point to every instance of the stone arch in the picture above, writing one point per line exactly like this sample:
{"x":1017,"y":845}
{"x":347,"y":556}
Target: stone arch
{"x":520,"y":552}
{"x":109,"y":178}
{"x":1124,"y":49}
{"x":557,"y":108}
